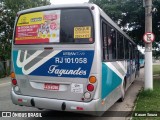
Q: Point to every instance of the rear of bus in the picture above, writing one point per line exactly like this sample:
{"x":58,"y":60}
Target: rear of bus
{"x":53,"y":54}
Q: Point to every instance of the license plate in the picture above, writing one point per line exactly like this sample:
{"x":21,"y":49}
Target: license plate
{"x":51,"y":86}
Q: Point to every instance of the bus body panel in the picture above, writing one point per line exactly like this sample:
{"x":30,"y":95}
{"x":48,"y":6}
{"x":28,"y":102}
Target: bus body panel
{"x":98,"y":51}
{"x":32,"y":84}
{"x":111,"y":78}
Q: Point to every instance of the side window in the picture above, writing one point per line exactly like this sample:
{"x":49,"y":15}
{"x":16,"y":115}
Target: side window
{"x":104,"y":41}
{"x":113,"y":36}
{"x":126,"y":49}
{"x":109,"y":42}
{"x":131,"y":50}
{"x":120,"y":46}
{"x":134,"y":52}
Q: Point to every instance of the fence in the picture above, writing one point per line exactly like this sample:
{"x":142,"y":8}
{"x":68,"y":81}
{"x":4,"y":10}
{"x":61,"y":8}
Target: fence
{"x":5,"y":68}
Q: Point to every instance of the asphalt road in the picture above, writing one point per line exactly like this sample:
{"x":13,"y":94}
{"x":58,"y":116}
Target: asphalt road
{"x":126,"y":106}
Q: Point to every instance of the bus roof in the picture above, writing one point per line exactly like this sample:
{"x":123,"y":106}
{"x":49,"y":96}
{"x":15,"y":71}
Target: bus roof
{"x":48,"y":7}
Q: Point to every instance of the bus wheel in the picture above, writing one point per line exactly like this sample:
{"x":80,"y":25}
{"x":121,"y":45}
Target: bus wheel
{"x":123,"y":91}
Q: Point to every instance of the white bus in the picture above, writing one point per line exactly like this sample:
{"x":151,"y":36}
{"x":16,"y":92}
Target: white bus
{"x":70,"y":58}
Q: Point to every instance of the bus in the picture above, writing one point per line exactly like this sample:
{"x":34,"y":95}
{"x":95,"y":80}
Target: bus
{"x":70,"y":58}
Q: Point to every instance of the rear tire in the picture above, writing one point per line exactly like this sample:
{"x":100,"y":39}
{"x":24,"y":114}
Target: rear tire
{"x":123,"y":90}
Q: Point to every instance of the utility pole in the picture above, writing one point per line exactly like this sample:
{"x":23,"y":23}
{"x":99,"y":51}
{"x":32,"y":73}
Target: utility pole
{"x":148,"y":47}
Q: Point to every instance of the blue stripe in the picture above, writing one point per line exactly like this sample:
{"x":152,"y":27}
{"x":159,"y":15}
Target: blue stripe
{"x":17,"y":70}
{"x":67,"y":63}
{"x":110,"y":81}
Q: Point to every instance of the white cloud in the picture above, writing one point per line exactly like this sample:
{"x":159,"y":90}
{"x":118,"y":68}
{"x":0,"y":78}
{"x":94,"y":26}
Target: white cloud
{"x":67,"y":1}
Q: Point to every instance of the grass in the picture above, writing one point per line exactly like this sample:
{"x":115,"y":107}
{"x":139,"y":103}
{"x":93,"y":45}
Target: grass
{"x":156,"y":69}
{"x":149,"y":101}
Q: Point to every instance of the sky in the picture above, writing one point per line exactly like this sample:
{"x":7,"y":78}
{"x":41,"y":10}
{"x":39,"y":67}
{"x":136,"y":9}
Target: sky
{"x":67,"y":1}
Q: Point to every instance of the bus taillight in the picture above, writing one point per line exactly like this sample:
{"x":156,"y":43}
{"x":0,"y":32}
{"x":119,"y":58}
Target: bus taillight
{"x":90,"y":87}
{"x":92,"y":79}
{"x":13,"y":75}
{"x":14,"y":81}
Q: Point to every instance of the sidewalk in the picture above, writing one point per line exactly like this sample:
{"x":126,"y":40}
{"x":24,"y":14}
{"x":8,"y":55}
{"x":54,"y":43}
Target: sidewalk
{"x":129,"y":102}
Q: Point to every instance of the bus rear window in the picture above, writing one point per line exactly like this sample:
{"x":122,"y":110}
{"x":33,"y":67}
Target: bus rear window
{"x":55,"y":26}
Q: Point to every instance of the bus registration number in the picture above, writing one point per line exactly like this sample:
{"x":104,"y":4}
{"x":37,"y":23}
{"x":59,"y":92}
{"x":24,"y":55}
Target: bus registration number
{"x":51,"y":86}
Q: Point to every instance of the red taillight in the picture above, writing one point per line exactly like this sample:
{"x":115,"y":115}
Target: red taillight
{"x":14,"y":82}
{"x":90,"y":87}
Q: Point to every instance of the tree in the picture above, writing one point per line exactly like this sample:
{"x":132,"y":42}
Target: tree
{"x":130,"y":16}
{"x":8,"y":11}
{"x":156,"y":54}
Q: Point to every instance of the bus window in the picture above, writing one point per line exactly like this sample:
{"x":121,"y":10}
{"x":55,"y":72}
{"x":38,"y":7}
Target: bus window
{"x":109,"y":40}
{"x":120,"y":46}
{"x":134,"y":52}
{"x":126,"y":49}
{"x":55,"y":26}
{"x":111,"y":43}
{"x":76,"y":26}
{"x":131,"y":50}
{"x":104,"y":41}
{"x":113,"y":37}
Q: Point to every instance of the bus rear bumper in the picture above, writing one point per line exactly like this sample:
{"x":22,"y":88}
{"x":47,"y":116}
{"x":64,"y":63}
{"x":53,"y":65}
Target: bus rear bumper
{"x":54,"y":104}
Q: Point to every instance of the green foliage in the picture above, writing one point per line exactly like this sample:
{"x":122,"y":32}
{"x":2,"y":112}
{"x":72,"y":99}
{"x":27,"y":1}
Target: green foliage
{"x":130,"y":16}
{"x":8,"y":11}
{"x":148,"y":102}
{"x":156,"y":54}
{"x":111,"y":7}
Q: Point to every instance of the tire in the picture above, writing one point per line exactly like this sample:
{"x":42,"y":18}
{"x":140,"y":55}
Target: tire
{"x":123,"y":91}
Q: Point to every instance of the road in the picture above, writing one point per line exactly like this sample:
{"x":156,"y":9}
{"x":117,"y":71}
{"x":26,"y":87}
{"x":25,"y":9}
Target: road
{"x":126,"y":106}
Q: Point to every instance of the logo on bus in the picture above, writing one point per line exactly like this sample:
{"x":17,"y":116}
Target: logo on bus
{"x":53,"y":70}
